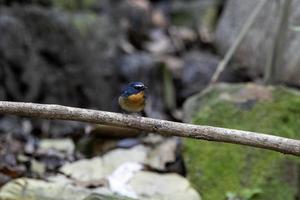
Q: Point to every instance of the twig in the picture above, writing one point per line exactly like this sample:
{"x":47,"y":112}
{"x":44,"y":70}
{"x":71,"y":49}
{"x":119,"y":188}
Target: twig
{"x":47,"y":111}
{"x":276,"y":52}
{"x":237,"y":42}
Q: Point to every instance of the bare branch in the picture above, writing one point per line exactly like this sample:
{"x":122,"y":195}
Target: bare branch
{"x":47,"y":111}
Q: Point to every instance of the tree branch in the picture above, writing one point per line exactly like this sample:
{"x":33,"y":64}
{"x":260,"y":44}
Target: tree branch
{"x":58,"y":112}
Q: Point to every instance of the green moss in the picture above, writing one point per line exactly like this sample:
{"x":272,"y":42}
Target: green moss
{"x":216,"y":168}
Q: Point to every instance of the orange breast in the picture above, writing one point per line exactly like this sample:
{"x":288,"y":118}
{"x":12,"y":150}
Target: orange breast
{"x":137,"y":98}
{"x":133,"y":103}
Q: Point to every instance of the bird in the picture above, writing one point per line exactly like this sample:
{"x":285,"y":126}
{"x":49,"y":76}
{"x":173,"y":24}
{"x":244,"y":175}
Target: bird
{"x":132,"y":98}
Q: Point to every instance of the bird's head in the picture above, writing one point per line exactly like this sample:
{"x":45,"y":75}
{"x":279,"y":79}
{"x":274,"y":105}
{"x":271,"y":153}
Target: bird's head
{"x":134,"y":88}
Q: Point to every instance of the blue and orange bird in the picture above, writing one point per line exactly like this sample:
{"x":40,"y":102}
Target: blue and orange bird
{"x":133,"y":97}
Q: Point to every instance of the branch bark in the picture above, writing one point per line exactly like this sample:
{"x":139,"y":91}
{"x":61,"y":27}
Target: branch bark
{"x":58,"y":112}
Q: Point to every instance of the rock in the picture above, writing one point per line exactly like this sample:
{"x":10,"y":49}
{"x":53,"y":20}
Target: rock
{"x":85,"y":170}
{"x":149,"y":185}
{"x":270,"y":110}
{"x":94,"y":146}
{"x":4,"y":179}
{"x":118,"y":180}
{"x":103,"y":197}
{"x":260,"y":36}
{"x":189,"y":13}
{"x":160,"y":43}
{"x":31,"y":189}
{"x":137,"y":66}
{"x":158,"y":157}
{"x":128,"y":180}
{"x":153,"y":139}
{"x":63,"y":145}
{"x":117,"y":157}
{"x":48,"y":60}
{"x":163,"y":154}
{"x":10,"y":167}
{"x":37,"y":167}
{"x":128,"y":143}
{"x":59,"y":178}
{"x":117,"y":170}
{"x":248,"y":93}
{"x":44,"y":51}
{"x":134,"y":18}
{"x":51,"y":154}
{"x":11,"y":124}
{"x":92,"y":170}
{"x":196,"y":73}
{"x":159,"y":18}
{"x":184,"y":35}
{"x":93,"y":5}
{"x":95,"y":169}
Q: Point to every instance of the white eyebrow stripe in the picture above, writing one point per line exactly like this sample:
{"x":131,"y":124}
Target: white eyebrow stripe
{"x":139,"y":85}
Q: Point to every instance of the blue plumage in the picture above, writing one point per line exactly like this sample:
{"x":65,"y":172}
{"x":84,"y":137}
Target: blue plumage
{"x":133,"y":88}
{"x":132,"y":98}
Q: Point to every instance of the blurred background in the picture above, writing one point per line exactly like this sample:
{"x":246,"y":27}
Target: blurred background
{"x":82,"y":53}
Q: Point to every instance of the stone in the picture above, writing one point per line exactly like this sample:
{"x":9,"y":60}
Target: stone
{"x":117,"y":157}
{"x":196,"y":73}
{"x":44,"y":51}
{"x":85,"y":170}
{"x":32,"y":189}
{"x":97,"y":168}
{"x":118,"y":180}
{"x":260,"y":36}
{"x":65,"y":145}
{"x":218,"y":168}
{"x":163,"y":154}
{"x":149,"y":185}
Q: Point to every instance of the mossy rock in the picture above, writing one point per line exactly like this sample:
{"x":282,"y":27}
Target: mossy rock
{"x":220,"y":171}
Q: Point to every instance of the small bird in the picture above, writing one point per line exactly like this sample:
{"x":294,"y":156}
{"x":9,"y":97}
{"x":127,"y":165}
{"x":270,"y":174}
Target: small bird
{"x":133,"y":97}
